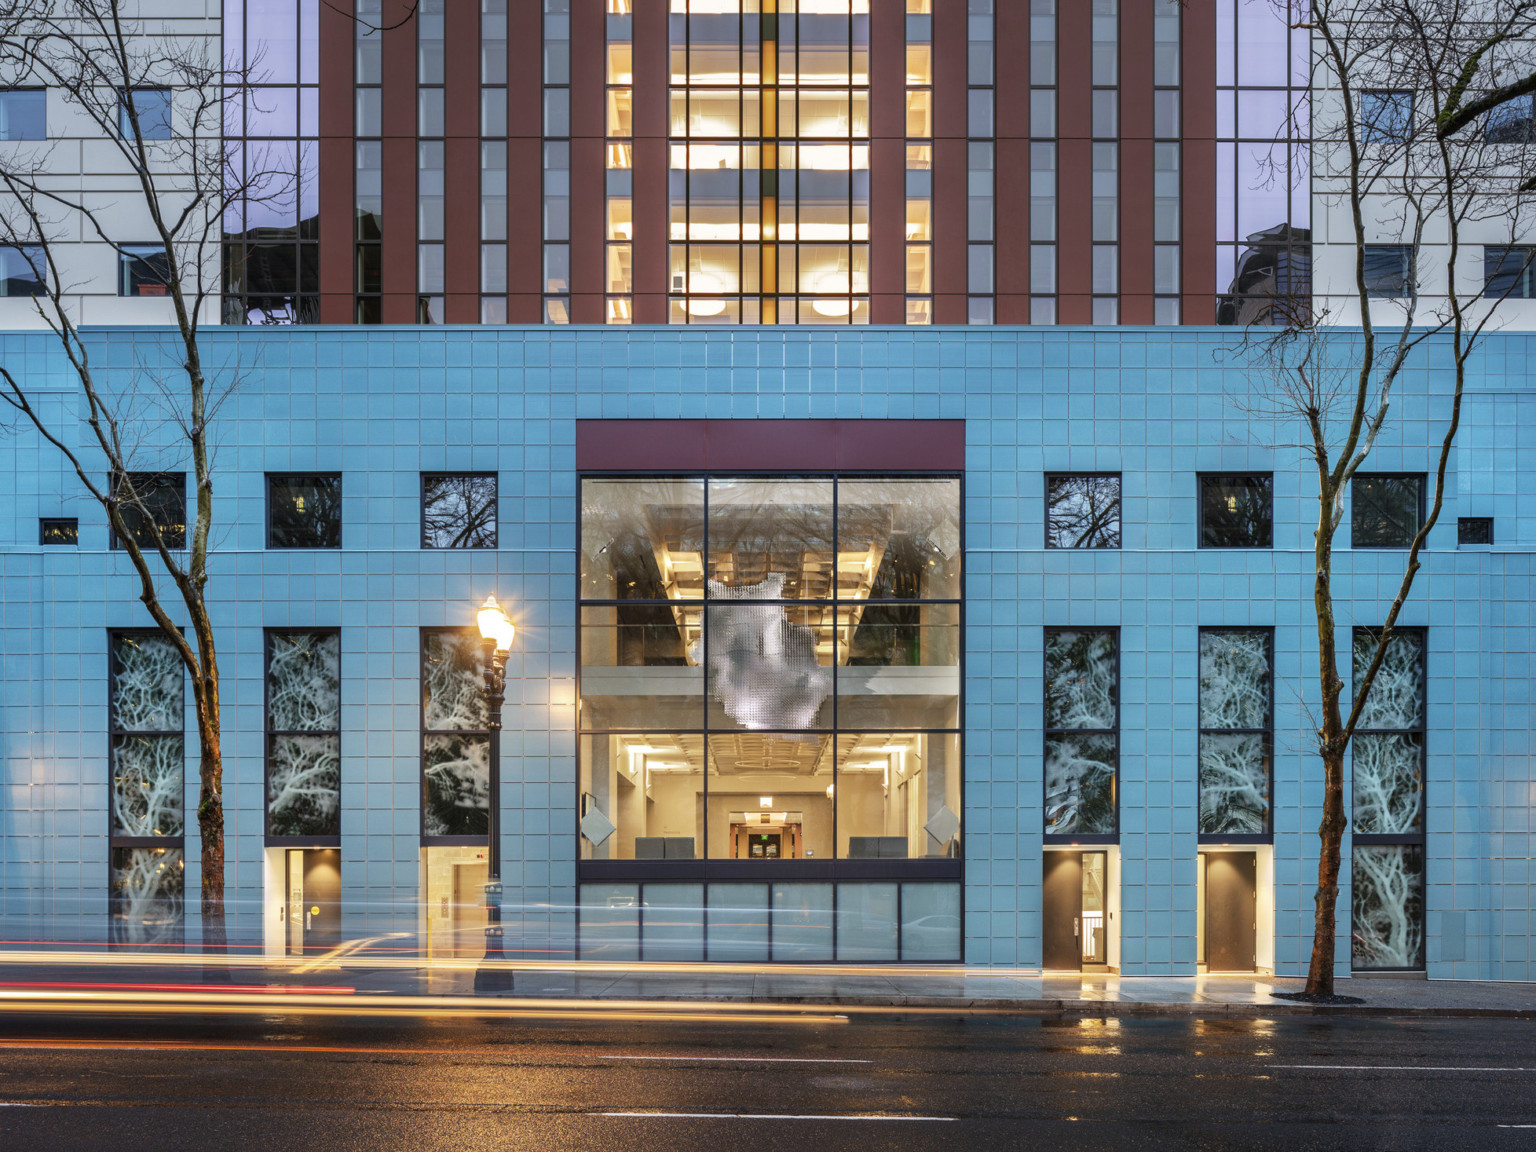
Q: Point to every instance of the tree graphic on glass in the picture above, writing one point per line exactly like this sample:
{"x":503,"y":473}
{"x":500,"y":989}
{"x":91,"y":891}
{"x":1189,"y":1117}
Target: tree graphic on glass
{"x":1235,"y":687}
{"x":456,"y":744}
{"x":1081,"y":732}
{"x":148,"y":768}
{"x":1388,"y":759}
{"x":303,"y":734}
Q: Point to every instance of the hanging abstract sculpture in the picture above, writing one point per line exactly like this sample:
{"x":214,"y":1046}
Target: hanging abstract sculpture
{"x":761,"y":666}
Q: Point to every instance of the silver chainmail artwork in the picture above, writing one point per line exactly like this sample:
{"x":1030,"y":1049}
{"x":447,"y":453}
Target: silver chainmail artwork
{"x":761,"y":666}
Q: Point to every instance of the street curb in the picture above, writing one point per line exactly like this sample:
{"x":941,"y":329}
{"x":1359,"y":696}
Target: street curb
{"x":1108,"y":1008}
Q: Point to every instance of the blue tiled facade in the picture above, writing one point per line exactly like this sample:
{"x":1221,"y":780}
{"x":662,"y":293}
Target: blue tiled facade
{"x":382,"y":405}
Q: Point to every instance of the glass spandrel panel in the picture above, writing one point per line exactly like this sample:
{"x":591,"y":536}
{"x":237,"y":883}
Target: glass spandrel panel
{"x":609,"y":922}
{"x":642,"y":666}
{"x":1396,"y":700}
{"x":867,"y":923}
{"x":642,"y":539}
{"x":672,"y":925}
{"x":930,"y":923}
{"x":802,"y":922}
{"x":642,"y":796}
{"x":1387,"y":906}
{"x":453,"y":691}
{"x":1081,"y":680}
{"x":737,"y":924}
{"x":898,"y":539}
{"x":771,"y":539}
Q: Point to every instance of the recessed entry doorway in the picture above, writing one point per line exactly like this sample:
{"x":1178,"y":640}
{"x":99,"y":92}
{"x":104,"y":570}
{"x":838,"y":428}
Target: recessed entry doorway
{"x":1232,"y":938}
{"x":312,"y":905}
{"x":1077,"y":918}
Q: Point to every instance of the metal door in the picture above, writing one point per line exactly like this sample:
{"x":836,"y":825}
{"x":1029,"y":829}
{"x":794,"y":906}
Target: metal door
{"x":1231,"y":920}
{"x":322,"y":899}
{"x":1061,"y":924}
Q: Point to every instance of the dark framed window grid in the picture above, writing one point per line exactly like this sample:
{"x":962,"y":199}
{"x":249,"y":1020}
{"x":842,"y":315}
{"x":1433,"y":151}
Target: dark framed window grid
{"x":1082,"y":510}
{"x":911,"y":921}
{"x":458,"y":509}
{"x":303,"y":510}
{"x":58,"y":531}
{"x":1474,"y":530}
{"x":1388,"y":763}
{"x":303,"y":737}
{"x":1082,"y":735}
{"x":1507,"y":272}
{"x":1386,"y":117}
{"x":23,"y":270}
{"x":152,"y":502}
{"x":1386,"y":509}
{"x":1390,"y":270}
{"x":762,"y":618}
{"x":1237,"y":509}
{"x":1236,"y":769}
{"x":151,"y":107}
{"x":23,"y":114}
{"x":146,"y":809}
{"x":455,"y":739}
{"x":143,"y":270}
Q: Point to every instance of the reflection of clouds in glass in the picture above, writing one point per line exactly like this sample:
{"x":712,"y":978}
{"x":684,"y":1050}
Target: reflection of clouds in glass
{"x":762,"y":668}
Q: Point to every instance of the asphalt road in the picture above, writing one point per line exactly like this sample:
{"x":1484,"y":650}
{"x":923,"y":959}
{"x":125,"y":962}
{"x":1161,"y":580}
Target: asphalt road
{"x":901,"y":1082}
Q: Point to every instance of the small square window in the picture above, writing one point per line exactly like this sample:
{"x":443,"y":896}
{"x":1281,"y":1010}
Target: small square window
{"x":1389,"y":270}
{"x":152,"y":106}
{"x":1385,"y":116}
{"x":23,"y":114}
{"x":458,"y":511}
{"x":304,"y":511}
{"x":22,"y":270}
{"x":1082,"y":511}
{"x":1386,"y":510}
{"x":61,"y":531}
{"x":1237,"y":511}
{"x":1474,"y":530}
{"x":143,"y":270}
{"x":158,"y":498}
{"x":1512,"y":122}
{"x":1507,"y":272}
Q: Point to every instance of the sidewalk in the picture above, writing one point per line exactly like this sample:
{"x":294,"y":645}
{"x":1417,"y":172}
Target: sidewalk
{"x":928,"y":989}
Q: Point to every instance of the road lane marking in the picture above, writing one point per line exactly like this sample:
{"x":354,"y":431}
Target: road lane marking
{"x":766,"y":1116}
{"x":1394,"y":1068}
{"x":751,"y":1059}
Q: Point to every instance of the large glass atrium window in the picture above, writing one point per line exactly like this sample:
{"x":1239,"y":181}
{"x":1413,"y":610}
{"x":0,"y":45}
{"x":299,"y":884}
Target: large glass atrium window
{"x":770,"y":669}
{"x":769,"y":161}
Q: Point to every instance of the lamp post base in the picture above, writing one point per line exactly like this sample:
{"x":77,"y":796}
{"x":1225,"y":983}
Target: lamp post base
{"x":493,"y":976}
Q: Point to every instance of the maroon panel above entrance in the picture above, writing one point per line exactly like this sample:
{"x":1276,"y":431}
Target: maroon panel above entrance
{"x":770,"y":445}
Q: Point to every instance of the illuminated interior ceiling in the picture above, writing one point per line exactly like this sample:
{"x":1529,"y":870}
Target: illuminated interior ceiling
{"x":758,"y":753}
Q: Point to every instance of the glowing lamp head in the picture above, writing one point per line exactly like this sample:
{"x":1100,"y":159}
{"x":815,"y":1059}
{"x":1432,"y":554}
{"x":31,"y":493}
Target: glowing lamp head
{"x":495,"y":625}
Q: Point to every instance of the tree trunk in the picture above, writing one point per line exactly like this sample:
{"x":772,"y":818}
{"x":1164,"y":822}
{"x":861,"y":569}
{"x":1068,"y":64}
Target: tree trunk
{"x":1330,"y":834}
{"x":210,"y":818}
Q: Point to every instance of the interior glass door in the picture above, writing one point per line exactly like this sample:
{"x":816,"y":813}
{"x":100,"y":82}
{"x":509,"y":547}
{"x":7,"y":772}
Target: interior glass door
{"x":1094,"y":909}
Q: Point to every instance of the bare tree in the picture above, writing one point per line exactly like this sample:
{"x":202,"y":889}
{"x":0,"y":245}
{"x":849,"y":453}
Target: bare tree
{"x":1384,"y":75}
{"x":156,"y":99}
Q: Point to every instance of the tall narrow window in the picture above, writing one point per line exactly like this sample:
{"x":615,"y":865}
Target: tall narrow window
{"x":148,"y":759}
{"x":1388,"y":852}
{"x":455,"y":738}
{"x":1082,"y":732}
{"x":980,"y":285}
{"x":368,"y":127}
{"x":493,"y":161}
{"x":1236,"y":726}
{"x":557,"y":161}
{"x":919,"y":162}
{"x":1042,"y":161}
{"x":430,"y":161}
{"x":1167,"y":128}
{"x":304,"y":736}
{"x":620,"y":234}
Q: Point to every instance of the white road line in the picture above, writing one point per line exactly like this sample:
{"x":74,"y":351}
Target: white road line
{"x":1394,"y":1068}
{"x":1516,"y":1125}
{"x":763,"y":1116}
{"x":749,"y":1059}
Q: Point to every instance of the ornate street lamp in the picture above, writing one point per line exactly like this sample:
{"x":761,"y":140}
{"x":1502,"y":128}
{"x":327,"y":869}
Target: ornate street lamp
{"x":496,"y":630}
